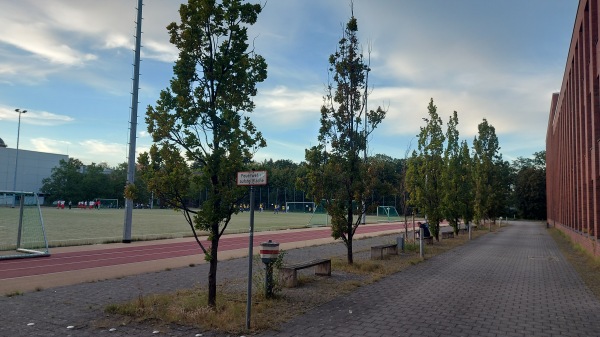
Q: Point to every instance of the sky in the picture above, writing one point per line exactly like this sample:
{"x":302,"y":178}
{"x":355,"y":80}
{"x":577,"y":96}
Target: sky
{"x":69,"y":64}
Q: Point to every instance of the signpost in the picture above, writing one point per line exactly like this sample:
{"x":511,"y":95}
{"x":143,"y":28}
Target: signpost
{"x":251,"y":178}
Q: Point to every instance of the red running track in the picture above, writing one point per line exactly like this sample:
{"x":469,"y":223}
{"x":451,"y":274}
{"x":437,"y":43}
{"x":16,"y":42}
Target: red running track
{"x":61,"y":262}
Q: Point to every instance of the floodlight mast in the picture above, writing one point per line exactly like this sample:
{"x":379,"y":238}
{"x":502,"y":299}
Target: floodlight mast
{"x":17,"y":154}
{"x":133,"y":124}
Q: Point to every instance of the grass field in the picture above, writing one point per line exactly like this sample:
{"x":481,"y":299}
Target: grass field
{"x":66,"y":227}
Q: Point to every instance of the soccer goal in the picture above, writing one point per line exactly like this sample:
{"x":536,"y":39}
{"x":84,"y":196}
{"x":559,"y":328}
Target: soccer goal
{"x":108,"y":203}
{"x":300,"y":206}
{"x":387,"y":214}
{"x":319,"y":216}
{"x":22,"y":232}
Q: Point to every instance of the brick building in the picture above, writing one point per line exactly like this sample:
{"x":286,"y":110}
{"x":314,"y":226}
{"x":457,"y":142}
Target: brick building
{"x":573,"y":136}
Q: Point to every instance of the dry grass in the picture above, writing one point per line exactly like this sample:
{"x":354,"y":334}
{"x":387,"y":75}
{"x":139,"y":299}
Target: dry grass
{"x":189,"y":307}
{"x":587,"y":266}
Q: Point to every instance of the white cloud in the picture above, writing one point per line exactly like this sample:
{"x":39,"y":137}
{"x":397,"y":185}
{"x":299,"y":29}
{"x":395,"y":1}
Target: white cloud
{"x":50,"y":145}
{"x":285,"y":107}
{"x":34,"y":117}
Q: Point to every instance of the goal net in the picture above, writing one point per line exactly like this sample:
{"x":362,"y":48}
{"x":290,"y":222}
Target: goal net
{"x":319,"y":217}
{"x":22,"y":232}
{"x":300,"y":206}
{"x":387,"y":214}
{"x":107,"y":203}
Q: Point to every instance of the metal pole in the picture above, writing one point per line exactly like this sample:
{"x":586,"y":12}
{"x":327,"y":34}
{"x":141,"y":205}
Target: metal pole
{"x":250,"y":253}
{"x":469,"y":231}
{"x":133,"y":124}
{"x":421,"y":248}
{"x":17,"y":154}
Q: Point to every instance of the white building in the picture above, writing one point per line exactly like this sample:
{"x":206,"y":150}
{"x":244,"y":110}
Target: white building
{"x":32,"y":168}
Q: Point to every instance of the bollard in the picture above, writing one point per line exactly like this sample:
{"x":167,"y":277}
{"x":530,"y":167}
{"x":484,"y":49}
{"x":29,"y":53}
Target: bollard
{"x":269,"y":251}
{"x":400,"y":242}
{"x":470,"y":232}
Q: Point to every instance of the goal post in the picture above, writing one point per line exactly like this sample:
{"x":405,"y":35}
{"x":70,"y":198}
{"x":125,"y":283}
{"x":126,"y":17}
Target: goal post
{"x":300,"y":206}
{"x":22,"y":232}
{"x":387,"y":214}
{"x":107,"y":203}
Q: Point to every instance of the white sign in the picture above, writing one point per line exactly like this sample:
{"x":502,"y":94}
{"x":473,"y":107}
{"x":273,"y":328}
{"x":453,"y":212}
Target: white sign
{"x":252,"y":178}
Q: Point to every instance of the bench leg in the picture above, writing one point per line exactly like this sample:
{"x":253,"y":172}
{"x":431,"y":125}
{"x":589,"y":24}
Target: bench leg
{"x":376,"y":253}
{"x":392,"y":250}
{"x":289,"y":277}
{"x":323,"y":269}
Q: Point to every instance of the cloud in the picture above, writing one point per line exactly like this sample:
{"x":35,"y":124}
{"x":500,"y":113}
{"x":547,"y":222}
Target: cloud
{"x":44,"y":118}
{"x":284,"y":107}
{"x":50,"y":145}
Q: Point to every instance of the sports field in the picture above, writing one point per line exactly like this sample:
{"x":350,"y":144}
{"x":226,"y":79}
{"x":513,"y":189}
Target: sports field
{"x":66,"y":227}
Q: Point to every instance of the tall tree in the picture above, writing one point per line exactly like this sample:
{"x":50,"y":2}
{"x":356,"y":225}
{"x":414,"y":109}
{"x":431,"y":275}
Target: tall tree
{"x":202,"y":118}
{"x":424,"y":175}
{"x":530,"y":186}
{"x":452,"y":175}
{"x":65,"y":181}
{"x":337,"y":173}
{"x":486,"y":157}
{"x":465,"y":194}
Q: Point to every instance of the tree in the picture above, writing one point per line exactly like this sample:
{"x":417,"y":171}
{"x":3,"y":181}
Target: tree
{"x":452,"y":175}
{"x":487,"y":183}
{"x":530,"y":186}
{"x":202,"y":118}
{"x":65,"y":181}
{"x":465,"y":195}
{"x":424,"y":175}
{"x":337,"y":173}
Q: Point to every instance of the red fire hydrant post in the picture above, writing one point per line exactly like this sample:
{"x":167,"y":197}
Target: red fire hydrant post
{"x":269,"y":252}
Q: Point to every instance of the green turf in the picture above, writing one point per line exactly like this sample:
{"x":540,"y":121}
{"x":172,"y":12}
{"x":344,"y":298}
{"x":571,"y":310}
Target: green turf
{"x":66,"y":227}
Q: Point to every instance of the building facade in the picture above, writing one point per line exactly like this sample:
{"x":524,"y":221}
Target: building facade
{"x":32,"y":168}
{"x":573,"y":136}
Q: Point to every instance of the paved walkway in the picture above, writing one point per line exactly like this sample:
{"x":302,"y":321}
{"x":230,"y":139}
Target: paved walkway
{"x":512,"y":283}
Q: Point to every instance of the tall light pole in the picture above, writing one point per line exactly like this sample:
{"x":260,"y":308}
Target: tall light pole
{"x":17,"y":155}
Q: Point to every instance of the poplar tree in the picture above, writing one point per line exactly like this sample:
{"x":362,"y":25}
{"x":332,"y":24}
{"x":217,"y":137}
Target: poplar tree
{"x":452,"y":175}
{"x":486,"y":174}
{"x":200,"y":126}
{"x":425,"y":171}
{"x":337,"y":174}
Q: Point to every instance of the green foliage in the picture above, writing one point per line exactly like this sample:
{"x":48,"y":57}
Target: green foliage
{"x":73,"y":181}
{"x":425,"y":171}
{"x":530,"y":186}
{"x":487,"y":173}
{"x":200,"y":127}
{"x":259,"y":276}
{"x":336,"y":173}
{"x":454,"y":176}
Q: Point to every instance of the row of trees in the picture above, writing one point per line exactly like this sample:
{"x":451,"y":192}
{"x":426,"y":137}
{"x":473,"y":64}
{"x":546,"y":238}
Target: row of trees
{"x":203,"y":136}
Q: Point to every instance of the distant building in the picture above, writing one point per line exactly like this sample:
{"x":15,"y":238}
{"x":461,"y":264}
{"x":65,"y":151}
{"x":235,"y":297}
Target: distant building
{"x":573,"y":137}
{"x":33,"y":167}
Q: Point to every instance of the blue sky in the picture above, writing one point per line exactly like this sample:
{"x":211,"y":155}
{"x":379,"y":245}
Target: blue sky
{"x":69,"y":63}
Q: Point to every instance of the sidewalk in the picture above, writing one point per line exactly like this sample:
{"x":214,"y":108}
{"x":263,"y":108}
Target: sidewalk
{"x":511,"y":283}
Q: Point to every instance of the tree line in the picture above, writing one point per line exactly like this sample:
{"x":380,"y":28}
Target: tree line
{"x":202,"y":136}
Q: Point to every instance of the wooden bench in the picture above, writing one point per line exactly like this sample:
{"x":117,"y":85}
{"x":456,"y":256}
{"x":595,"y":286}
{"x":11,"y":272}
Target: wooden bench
{"x":377,"y":251}
{"x":289,"y":272}
{"x":428,"y":239}
{"x":447,"y":235}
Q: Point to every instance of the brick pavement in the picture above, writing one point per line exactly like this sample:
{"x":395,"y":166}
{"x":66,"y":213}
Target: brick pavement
{"x":511,"y":283}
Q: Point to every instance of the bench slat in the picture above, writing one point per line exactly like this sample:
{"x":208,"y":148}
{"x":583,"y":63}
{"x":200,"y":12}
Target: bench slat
{"x":307,"y":264}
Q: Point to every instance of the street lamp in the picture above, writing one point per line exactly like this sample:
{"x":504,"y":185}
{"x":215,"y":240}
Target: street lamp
{"x":17,"y":155}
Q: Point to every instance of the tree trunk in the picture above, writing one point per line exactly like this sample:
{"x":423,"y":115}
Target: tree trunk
{"x":212,"y":273}
{"x":350,"y":234}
